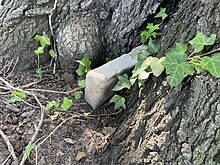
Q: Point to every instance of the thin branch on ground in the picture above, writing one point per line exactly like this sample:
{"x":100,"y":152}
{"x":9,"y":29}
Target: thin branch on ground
{"x":5,"y":161}
{"x":37,"y":129}
{"x":52,"y":132}
{"x":12,"y":107}
{"x":8,"y":85}
{"x":30,"y":84}
{"x":29,"y":104}
{"x":13,"y":68}
{"x":10,"y":147}
{"x":41,"y":118}
{"x":52,"y":91}
{"x":6,"y":89}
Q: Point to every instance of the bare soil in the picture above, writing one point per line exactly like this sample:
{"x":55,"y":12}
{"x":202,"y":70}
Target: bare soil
{"x":77,"y":139}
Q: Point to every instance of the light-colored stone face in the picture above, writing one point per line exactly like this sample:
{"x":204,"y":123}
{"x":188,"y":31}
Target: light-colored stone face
{"x":100,"y":81}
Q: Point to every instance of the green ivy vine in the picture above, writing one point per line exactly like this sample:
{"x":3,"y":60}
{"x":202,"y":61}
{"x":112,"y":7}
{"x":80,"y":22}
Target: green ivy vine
{"x":177,"y":63}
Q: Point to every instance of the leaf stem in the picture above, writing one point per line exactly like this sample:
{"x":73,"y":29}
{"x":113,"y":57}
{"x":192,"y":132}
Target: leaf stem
{"x":204,"y":54}
{"x":38,"y":61}
{"x":213,"y":51}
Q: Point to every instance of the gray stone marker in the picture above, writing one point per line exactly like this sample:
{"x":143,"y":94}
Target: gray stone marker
{"x":100,"y":81}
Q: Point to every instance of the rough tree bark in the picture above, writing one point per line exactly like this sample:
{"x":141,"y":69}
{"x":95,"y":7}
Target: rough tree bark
{"x":99,"y":28}
{"x":167,"y":125}
{"x":174,"y":125}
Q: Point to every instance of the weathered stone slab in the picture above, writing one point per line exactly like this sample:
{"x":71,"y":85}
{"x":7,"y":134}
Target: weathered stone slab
{"x":100,"y":81}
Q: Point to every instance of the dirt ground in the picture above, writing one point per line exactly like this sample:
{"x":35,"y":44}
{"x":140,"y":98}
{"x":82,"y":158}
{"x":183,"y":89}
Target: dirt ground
{"x":65,"y":137}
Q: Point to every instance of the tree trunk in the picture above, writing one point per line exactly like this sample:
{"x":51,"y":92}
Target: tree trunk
{"x":20,"y":21}
{"x":99,"y":28}
{"x":166,"y":125}
{"x":174,"y":125}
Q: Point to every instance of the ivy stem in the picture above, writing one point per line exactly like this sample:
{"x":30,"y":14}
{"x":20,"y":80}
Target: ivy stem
{"x":190,"y":55}
{"x":204,"y":54}
{"x":213,"y":51}
{"x":38,"y":61}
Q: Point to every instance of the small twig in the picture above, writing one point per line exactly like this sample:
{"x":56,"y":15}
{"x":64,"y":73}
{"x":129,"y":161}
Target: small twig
{"x":52,"y":32}
{"x":37,"y":129}
{"x":213,"y":51}
{"x":11,"y":62}
{"x":11,"y":107}
{"x":3,"y":68}
{"x":50,"y":16}
{"x":33,"y":89}
{"x":6,"y":89}
{"x":13,"y":67}
{"x":108,"y":114}
{"x":6,"y":160}
{"x":10,"y":147}
{"x":8,"y":85}
{"x":190,"y":55}
{"x":51,"y":133}
{"x":30,"y":84}
{"x":33,"y":106}
{"x":5,"y":93}
{"x":204,"y":54}
{"x":52,"y":91}
{"x":41,"y":118}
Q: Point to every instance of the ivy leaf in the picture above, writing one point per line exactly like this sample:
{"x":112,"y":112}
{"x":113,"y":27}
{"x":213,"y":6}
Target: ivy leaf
{"x":48,"y":106}
{"x":81,"y":70}
{"x":156,"y":66}
{"x":39,"y":72}
{"x":144,"y":75}
{"x":153,"y":46}
{"x":212,"y":64}
{"x":52,"y":53}
{"x":44,"y":40}
{"x":17,"y":96}
{"x":141,"y":82}
{"x":176,"y":65}
{"x":119,"y":101}
{"x":141,"y":66}
{"x":140,"y":59}
{"x":84,"y":65}
{"x":29,"y":148}
{"x":20,"y":94}
{"x":77,"y":95}
{"x":25,"y":120}
{"x":181,"y":71}
{"x":133,"y":80}
{"x":40,"y":50}
{"x":67,"y":103}
{"x":51,"y":104}
{"x":123,"y":82}
{"x":196,"y":62}
{"x":81,"y":83}
{"x":149,"y":32}
{"x":14,"y":100}
{"x":162,"y":14}
{"x":201,"y":40}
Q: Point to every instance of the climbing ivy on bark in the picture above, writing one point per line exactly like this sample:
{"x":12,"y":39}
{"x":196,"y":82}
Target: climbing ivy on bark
{"x":178,"y":63}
